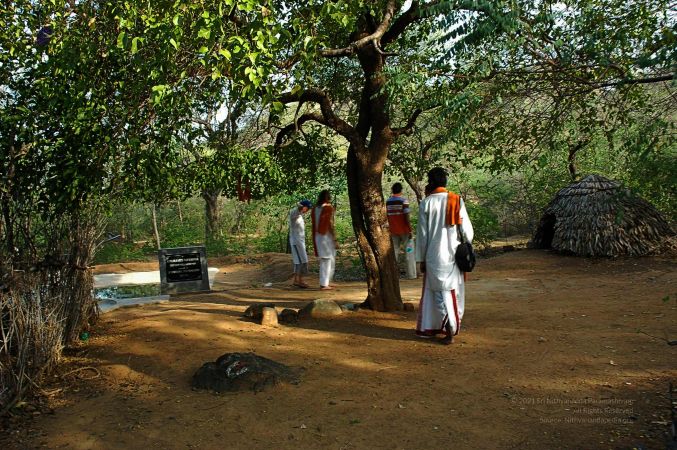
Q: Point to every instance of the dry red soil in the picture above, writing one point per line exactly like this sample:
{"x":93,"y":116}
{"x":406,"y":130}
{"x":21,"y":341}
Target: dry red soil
{"x":554,"y":352}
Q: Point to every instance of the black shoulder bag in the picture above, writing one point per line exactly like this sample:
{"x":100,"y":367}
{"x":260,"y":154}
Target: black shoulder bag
{"x":465,"y":255}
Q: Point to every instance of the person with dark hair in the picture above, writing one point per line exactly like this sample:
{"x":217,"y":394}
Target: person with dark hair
{"x":441,"y":214}
{"x":397,"y":208}
{"x":427,"y":190}
{"x":324,"y":238}
{"x":297,"y":241}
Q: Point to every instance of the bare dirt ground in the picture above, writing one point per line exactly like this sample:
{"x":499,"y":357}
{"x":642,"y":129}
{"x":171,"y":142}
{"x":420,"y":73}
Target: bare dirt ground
{"x":554,"y":352}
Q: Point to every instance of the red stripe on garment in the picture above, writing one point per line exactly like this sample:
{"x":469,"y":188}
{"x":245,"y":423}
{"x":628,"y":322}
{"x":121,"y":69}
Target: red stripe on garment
{"x":458,"y":321}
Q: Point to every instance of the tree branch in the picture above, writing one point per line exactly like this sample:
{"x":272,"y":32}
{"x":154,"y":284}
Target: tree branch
{"x":374,"y":38}
{"x":327,"y":117}
{"x":409,"y":127}
{"x":410,"y":16}
{"x":203,"y":122}
{"x":296,"y":126}
{"x":649,"y":80}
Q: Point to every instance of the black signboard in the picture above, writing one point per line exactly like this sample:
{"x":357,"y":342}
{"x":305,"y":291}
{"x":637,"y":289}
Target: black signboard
{"x":184,"y":267}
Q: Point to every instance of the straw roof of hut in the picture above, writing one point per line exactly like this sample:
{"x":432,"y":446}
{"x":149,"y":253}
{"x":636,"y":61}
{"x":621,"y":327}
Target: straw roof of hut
{"x":598,"y":217}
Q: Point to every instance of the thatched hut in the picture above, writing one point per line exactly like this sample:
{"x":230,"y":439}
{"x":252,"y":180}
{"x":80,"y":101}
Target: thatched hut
{"x":598,"y":217}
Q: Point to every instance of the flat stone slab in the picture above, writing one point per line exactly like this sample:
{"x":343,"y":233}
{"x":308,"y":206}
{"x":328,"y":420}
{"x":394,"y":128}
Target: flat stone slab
{"x":243,"y":372}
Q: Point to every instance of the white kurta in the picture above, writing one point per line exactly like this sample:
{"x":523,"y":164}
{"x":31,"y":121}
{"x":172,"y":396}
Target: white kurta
{"x":297,"y":237}
{"x":443,"y":296}
{"x":297,"y":226}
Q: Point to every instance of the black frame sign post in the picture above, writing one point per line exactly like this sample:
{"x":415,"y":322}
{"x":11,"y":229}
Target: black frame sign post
{"x":183,"y":269}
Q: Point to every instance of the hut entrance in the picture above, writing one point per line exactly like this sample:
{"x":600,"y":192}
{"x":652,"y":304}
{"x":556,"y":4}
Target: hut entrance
{"x":547,"y":230}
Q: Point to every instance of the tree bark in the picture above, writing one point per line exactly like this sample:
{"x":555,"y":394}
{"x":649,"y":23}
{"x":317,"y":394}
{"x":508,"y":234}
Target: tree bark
{"x":156,"y":233}
{"x":178,"y":208}
{"x":415,"y":186}
{"x":573,"y":171}
{"x":212,"y":214}
{"x":9,"y":226}
{"x":366,"y":161}
{"x":367,"y":210}
{"x":572,"y":164}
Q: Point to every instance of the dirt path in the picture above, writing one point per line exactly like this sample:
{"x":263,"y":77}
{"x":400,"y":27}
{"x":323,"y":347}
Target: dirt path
{"x":549,"y":356}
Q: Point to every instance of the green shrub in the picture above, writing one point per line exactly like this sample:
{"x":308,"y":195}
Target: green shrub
{"x":485,"y":223}
{"x":227,"y":246}
{"x":113,"y":252}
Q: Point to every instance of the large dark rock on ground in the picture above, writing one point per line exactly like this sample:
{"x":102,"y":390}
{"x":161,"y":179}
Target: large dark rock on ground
{"x":243,"y":371}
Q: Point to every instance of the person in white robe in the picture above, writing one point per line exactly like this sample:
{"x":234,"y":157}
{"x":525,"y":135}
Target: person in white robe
{"x":297,"y":241}
{"x":324,"y":238}
{"x":443,"y":299}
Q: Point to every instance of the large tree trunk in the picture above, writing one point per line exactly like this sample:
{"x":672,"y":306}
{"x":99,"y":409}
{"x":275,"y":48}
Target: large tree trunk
{"x":366,"y":161}
{"x":367,"y":209}
{"x":212,"y":214}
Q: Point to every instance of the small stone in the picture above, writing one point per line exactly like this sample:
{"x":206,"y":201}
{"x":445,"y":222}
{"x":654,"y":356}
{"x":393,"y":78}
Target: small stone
{"x":288,"y":315}
{"x":541,"y":339}
{"x":320,"y":308}
{"x":303,"y":426}
{"x":612,"y":362}
{"x":269,"y":317}
{"x":256,"y":311}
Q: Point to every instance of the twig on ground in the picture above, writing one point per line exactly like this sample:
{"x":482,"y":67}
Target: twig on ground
{"x":98,"y":374}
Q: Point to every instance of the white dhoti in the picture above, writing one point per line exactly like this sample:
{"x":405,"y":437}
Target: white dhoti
{"x":326,"y":255}
{"x":327,"y":266}
{"x":439,"y":308}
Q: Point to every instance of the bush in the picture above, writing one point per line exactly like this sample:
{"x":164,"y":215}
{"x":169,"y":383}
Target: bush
{"x":113,"y":252}
{"x":485,"y":223}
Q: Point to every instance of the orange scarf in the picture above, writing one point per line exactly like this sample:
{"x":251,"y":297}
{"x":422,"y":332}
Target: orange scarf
{"x":453,"y":216}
